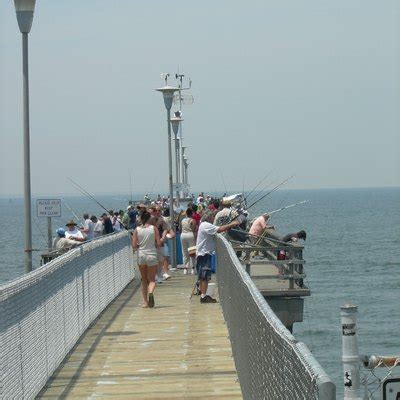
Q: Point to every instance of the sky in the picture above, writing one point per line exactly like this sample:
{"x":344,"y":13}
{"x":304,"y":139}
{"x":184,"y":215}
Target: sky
{"x":309,"y":88}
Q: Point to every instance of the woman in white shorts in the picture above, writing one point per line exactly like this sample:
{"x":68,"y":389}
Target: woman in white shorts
{"x":146,"y":240}
{"x":188,"y":239}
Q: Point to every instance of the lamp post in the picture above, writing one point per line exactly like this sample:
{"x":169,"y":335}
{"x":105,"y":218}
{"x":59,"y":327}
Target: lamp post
{"x":175,"y":122}
{"x":186,"y":164}
{"x":24,"y":10}
{"x":168,"y":95}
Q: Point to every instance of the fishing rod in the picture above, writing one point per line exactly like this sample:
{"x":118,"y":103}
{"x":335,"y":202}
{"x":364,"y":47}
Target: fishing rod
{"x":130,"y":184}
{"x":223,"y":181}
{"x":286,"y":207}
{"x":271,"y":191}
{"x":87,"y":194}
{"x":84,"y":191}
{"x":150,"y":194}
{"x":261,"y":191}
{"x":73,"y":213}
{"x":265,"y":195}
{"x":258,"y":184}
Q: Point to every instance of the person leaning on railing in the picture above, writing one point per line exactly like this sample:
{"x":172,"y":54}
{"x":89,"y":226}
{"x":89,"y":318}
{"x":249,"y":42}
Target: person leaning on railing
{"x":61,"y":244}
{"x":205,"y":245}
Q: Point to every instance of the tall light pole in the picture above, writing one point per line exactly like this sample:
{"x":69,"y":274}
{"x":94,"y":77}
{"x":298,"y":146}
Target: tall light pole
{"x":186,"y":165}
{"x":168,"y":95}
{"x":175,"y":122}
{"x":24,"y":10}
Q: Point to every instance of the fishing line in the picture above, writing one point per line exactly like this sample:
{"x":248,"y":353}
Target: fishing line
{"x":261,"y":191}
{"x":286,"y":207}
{"x":258,"y":184}
{"x":270,"y":192}
{"x":72,"y":212}
{"x":84,"y":191}
{"x":222,"y":178}
{"x":152,"y":188}
{"x":87,"y":194}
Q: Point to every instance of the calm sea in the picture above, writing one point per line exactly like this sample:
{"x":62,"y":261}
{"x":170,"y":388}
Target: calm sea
{"x":352,"y":254}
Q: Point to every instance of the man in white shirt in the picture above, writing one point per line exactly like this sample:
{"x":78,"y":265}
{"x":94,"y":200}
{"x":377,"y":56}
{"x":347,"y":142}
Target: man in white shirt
{"x":88,"y":227}
{"x":73,"y":232}
{"x":205,"y":246}
{"x":98,"y":226}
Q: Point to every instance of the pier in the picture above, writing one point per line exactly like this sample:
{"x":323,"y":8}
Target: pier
{"x":74,"y":328}
{"x":179,"y":349}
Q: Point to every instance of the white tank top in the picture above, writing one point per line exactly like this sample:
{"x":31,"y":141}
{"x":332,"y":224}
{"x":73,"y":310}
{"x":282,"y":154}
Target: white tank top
{"x":186,"y":225}
{"x":146,"y":239}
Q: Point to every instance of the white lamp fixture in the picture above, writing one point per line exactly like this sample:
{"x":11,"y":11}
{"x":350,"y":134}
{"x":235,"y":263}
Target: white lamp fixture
{"x":24,"y":10}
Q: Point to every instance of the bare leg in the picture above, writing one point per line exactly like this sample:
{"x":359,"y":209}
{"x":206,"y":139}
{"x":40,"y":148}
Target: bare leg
{"x":151,"y":278}
{"x":144,"y":285}
{"x":165,"y":265}
{"x":203,"y":286}
{"x":159,"y":270}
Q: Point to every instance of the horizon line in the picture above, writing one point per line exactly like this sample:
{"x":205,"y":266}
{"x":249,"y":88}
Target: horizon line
{"x":47,"y":195}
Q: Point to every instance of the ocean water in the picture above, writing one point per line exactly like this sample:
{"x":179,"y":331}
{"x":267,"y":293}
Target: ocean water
{"x":352,"y":254}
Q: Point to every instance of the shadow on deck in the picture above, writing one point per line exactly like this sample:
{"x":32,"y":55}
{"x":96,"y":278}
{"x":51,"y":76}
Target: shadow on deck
{"x":179,"y":349}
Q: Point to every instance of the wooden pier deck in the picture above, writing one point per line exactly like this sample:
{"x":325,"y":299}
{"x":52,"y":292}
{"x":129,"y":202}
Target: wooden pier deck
{"x":178,"y":350}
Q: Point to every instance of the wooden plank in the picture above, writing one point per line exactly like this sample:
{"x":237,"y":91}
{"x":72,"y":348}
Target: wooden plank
{"x":179,"y":349}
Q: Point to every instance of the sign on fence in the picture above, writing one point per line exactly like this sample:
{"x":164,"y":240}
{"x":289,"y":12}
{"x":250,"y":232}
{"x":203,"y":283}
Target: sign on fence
{"x":391,"y":389}
{"x":48,"y":207}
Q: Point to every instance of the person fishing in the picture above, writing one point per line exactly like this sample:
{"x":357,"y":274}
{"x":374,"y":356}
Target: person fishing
{"x":205,"y":245}
{"x":61,"y":244}
{"x":260,"y":224}
{"x":73,"y":232}
{"x":226,"y":214}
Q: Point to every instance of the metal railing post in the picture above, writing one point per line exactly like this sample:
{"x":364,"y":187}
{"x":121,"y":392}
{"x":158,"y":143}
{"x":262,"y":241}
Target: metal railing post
{"x":350,"y":358}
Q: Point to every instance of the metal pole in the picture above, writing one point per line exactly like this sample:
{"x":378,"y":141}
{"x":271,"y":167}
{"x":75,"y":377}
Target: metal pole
{"x":181,"y":138}
{"x":179,"y":165}
{"x":186,"y":173}
{"x":350,"y":358}
{"x":49,"y":238}
{"x":176,"y":166}
{"x":27,"y":171}
{"x":171,"y":194}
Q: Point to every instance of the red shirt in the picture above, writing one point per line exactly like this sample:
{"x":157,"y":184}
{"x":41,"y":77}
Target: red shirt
{"x":196,"y":217}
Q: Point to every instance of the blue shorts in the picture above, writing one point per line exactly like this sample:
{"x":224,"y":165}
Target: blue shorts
{"x":165,"y":250}
{"x":203,"y":266}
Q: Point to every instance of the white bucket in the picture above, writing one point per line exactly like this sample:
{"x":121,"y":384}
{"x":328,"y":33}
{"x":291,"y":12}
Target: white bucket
{"x":210,"y":289}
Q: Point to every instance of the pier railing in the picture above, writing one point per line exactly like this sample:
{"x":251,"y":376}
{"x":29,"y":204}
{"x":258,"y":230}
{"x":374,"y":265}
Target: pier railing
{"x":43,"y":313}
{"x":290,"y":267}
{"x":270,"y":362}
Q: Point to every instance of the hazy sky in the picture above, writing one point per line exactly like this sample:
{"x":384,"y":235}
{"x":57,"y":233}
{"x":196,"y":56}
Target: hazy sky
{"x":302,"y":87}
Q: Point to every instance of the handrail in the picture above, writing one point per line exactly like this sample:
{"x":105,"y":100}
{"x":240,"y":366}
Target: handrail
{"x":270,"y":362}
{"x":288,"y":268}
{"x":43,"y":313}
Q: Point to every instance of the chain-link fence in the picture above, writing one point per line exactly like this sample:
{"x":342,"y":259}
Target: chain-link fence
{"x":375,"y":370}
{"x":270,"y":362}
{"x":43,"y":313}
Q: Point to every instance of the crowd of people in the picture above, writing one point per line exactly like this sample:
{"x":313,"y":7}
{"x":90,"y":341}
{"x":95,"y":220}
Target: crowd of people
{"x":151,"y":227}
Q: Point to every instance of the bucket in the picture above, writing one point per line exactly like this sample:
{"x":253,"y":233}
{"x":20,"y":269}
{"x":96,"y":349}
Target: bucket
{"x":192,"y":251}
{"x":210,"y":289}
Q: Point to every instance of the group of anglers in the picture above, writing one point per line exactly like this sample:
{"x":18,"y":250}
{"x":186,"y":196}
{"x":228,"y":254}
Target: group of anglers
{"x":151,"y":227}
{"x":197,"y":225}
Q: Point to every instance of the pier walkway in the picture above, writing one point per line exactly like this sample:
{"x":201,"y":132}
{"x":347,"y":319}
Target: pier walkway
{"x":75,"y":328}
{"x":179,"y":349}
